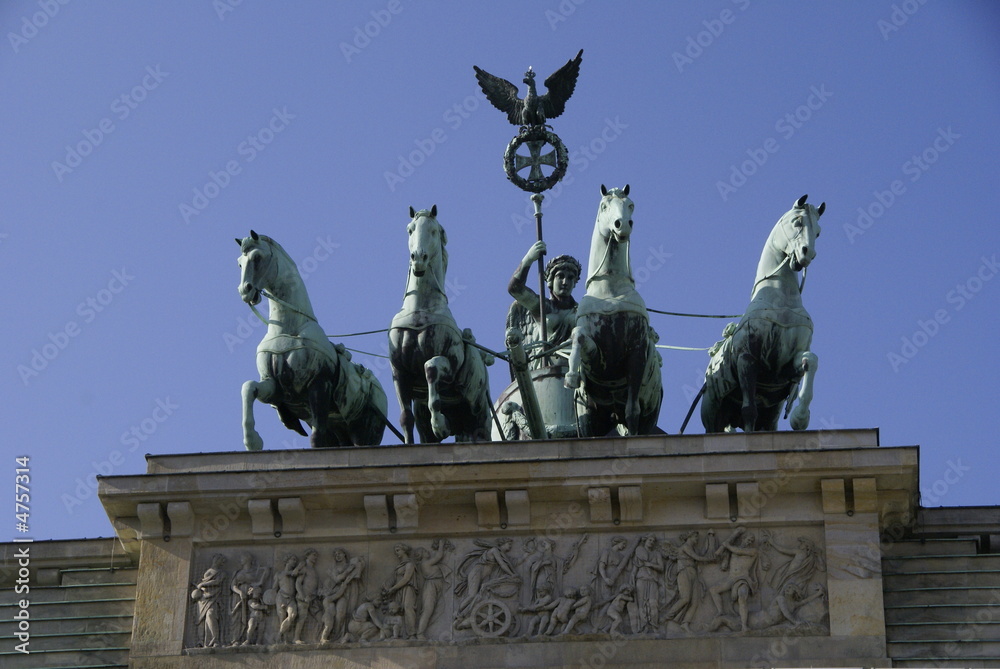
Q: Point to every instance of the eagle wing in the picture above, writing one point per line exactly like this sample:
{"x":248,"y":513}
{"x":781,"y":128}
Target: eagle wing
{"x":560,"y":85}
{"x":502,"y":94}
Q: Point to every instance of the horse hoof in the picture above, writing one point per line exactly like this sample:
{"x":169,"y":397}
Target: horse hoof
{"x":799,"y":420}
{"x":440,"y":427}
{"x":253,"y":442}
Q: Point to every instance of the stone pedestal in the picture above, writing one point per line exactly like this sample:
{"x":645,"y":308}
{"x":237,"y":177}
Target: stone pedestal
{"x":565,"y":553}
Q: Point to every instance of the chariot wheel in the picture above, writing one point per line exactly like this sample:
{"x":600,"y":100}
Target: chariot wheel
{"x":491,"y":618}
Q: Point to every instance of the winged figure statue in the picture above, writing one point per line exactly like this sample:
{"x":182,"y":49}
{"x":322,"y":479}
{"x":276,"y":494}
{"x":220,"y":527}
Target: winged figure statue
{"x":532,"y":109}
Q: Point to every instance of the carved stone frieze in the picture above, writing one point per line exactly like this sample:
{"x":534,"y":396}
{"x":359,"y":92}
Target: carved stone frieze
{"x":682,"y":583}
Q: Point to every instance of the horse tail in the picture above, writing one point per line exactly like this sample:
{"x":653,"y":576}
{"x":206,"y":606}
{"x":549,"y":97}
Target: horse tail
{"x":693,"y":405}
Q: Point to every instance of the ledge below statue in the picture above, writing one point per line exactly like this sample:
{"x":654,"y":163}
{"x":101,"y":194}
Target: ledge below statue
{"x":578,"y":552}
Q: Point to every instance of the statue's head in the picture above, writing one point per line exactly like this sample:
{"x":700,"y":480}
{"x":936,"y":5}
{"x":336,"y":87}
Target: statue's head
{"x":792,"y":590}
{"x":562,"y":274}
{"x":690,"y":536}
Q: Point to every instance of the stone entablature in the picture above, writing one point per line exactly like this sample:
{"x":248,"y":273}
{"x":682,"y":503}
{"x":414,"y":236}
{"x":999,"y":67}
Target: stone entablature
{"x":724,"y":540}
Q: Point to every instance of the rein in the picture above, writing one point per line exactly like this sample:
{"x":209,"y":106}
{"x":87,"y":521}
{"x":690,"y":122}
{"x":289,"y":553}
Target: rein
{"x":286,"y":305}
{"x":607,"y":251}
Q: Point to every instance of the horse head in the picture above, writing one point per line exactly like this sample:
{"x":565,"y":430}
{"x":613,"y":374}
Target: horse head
{"x":257,"y":267}
{"x":612,"y":230}
{"x":800,"y":228}
{"x":614,"y":218}
{"x":427,"y":244}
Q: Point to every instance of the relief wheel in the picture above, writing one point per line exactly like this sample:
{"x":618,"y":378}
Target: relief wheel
{"x":491,"y":618}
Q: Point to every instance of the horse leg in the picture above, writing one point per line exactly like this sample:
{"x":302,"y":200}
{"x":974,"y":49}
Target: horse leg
{"x":581,"y":406}
{"x":262,"y":390}
{"x":319,"y":400}
{"x":437,"y":370}
{"x":368,"y":428}
{"x":637,"y":360}
{"x":422,"y":415}
{"x":767,"y":417}
{"x":405,"y":397}
{"x":746,"y":369}
{"x":400,"y":350}
{"x":808,"y":363}
{"x":710,"y":411}
{"x":583,"y":346}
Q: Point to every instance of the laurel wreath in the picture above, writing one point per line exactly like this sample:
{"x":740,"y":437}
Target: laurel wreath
{"x":531,"y":134}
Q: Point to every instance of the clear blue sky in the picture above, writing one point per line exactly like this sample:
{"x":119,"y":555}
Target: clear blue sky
{"x":323,"y":122}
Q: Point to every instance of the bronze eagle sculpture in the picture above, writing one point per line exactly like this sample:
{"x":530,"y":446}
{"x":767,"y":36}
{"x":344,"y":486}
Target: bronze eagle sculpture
{"x":533,"y":109}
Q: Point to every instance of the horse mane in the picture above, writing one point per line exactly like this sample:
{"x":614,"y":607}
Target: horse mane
{"x":249,"y":242}
{"x":276,"y":247}
{"x":444,"y":237}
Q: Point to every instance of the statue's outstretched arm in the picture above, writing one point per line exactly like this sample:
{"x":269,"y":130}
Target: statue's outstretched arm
{"x":518,"y":287}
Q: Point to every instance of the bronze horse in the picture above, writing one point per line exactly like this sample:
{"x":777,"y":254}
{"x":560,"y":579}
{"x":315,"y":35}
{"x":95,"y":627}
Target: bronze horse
{"x":614,"y":363}
{"x":302,"y":374}
{"x":440,"y":377}
{"x":757,"y":366}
